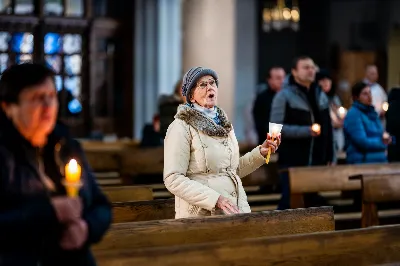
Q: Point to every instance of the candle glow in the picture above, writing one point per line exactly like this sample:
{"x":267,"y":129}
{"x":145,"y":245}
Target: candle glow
{"x":385,"y":106}
{"x":73,"y":178}
{"x":316,"y":128}
{"x":342,"y":112}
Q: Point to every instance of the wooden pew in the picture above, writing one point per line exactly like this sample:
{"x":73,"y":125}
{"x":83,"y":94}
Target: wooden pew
{"x":377,"y":188}
{"x":143,"y":210}
{"x":368,"y":246}
{"x":216,"y":228}
{"x":330,"y":178}
{"x":128,"y":193}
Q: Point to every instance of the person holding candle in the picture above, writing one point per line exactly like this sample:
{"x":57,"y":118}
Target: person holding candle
{"x":202,"y":166}
{"x":40,"y":224}
{"x":393,"y":124}
{"x":303,"y":109}
{"x":337,"y":111}
{"x":366,"y":141}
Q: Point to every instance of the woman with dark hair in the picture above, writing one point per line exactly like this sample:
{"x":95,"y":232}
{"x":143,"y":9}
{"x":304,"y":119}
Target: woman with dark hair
{"x":39,"y":223}
{"x":366,"y":141}
{"x":325,"y":82}
{"x":393,"y":124}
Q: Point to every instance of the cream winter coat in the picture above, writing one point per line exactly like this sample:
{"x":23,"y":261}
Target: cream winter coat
{"x":201,"y":162}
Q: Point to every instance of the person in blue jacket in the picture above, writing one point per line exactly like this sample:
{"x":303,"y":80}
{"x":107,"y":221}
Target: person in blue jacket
{"x":366,"y":141}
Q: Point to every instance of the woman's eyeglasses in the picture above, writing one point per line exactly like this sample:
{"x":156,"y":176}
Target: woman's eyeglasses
{"x":204,"y":84}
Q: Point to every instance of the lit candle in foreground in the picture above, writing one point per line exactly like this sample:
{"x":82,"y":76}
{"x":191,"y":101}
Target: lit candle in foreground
{"x":72,"y":178}
{"x":385,"y":106}
{"x":342,"y":112}
{"x":316,"y":128}
{"x":386,"y":136}
{"x":274,"y":131}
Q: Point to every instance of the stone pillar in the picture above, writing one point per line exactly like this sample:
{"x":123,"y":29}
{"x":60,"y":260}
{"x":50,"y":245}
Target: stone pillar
{"x":157,"y":56}
{"x":222,"y":35}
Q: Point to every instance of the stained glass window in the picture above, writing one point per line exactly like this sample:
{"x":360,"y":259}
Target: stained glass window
{"x":15,"y":48}
{"x":53,"y":7}
{"x":67,"y":8}
{"x":74,"y":8}
{"x":23,"y":7}
{"x":63,"y":55}
{"x":5,"y":6}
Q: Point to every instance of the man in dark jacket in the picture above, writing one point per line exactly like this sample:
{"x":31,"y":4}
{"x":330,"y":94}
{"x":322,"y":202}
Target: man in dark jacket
{"x":298,"y":106}
{"x":39,"y":223}
{"x":393,"y":124}
{"x":263,"y":102}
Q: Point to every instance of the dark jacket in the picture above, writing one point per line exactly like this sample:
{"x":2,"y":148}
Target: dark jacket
{"x":150,"y":138}
{"x":167,"y":108}
{"x":363,"y":132}
{"x":393,"y":124}
{"x":29,"y":229}
{"x":261,"y":113}
{"x":292,"y":108}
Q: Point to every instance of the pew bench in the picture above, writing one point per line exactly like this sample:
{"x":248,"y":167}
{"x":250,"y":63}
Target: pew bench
{"x":216,"y":228}
{"x":377,"y":188}
{"x":330,"y":178}
{"x":128,"y":193}
{"x":369,"y":246}
{"x":135,"y":211}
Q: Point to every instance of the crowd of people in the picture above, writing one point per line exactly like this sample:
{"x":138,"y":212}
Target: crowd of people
{"x":41,"y":223}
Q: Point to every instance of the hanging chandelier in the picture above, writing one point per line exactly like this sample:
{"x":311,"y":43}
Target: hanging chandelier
{"x":281,"y":17}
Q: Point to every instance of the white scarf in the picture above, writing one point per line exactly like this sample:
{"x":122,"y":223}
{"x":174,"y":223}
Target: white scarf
{"x":211,"y":113}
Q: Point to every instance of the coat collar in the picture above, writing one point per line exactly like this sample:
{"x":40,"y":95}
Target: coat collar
{"x":203,"y":123}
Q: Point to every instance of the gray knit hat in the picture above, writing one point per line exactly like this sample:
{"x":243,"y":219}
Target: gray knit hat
{"x":192,"y":76}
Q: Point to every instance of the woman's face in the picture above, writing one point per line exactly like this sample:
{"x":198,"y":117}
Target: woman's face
{"x":206,"y":92}
{"x":365,"y":96}
{"x":326,"y":84}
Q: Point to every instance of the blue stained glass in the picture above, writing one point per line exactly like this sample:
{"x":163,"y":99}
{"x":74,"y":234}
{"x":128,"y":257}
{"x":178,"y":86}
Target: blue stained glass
{"x":53,"y":62}
{"x":4,"y":40}
{"x":3,"y":62}
{"x":73,"y":64}
{"x":52,"y":43}
{"x":74,"y":106}
{"x":22,"y":42}
{"x":58,"y":81}
{"x":23,"y":58}
{"x":73,"y":84}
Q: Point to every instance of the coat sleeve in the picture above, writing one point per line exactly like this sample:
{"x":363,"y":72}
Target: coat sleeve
{"x":354,"y":129}
{"x":28,"y":222}
{"x":98,"y":215}
{"x":176,"y":162}
{"x":278,"y":110}
{"x":250,"y":162}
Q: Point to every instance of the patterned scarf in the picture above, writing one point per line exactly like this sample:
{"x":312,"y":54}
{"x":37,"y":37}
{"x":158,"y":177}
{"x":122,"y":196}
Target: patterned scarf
{"x":211,"y":113}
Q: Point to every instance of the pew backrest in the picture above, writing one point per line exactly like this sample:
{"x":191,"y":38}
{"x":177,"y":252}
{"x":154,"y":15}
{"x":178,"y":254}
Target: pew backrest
{"x":332,"y":178}
{"x":370,"y":246}
{"x":217,"y":228}
{"x":128,"y":193}
{"x":143,"y":210}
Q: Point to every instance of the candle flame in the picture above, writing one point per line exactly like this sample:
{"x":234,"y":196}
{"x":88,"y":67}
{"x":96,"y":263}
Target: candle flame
{"x":316,"y":127}
{"x":385,"y":106}
{"x":72,"y":166}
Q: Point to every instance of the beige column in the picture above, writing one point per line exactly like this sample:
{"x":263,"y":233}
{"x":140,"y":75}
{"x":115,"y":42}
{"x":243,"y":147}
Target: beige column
{"x":209,"y":41}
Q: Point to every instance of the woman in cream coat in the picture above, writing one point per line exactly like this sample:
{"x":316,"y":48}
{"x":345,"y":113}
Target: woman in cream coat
{"x":202,"y":167}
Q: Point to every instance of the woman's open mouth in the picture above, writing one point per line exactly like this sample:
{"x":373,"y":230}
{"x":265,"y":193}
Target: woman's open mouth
{"x":211,"y":96}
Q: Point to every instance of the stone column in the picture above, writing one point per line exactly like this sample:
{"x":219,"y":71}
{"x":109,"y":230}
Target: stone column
{"x":221,"y":34}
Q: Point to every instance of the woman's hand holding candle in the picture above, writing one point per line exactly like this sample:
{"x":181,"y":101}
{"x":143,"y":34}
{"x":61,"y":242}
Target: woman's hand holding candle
{"x":315,"y":130}
{"x":342,"y":112}
{"x":72,"y":178}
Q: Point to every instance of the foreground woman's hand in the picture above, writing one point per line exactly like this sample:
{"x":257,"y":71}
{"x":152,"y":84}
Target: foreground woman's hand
{"x":67,"y":209}
{"x":227,"y":206}
{"x":75,"y":235}
{"x":268,"y":143}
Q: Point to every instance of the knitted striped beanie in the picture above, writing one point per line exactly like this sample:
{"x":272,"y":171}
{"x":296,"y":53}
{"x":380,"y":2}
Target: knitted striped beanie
{"x":192,"y":76}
